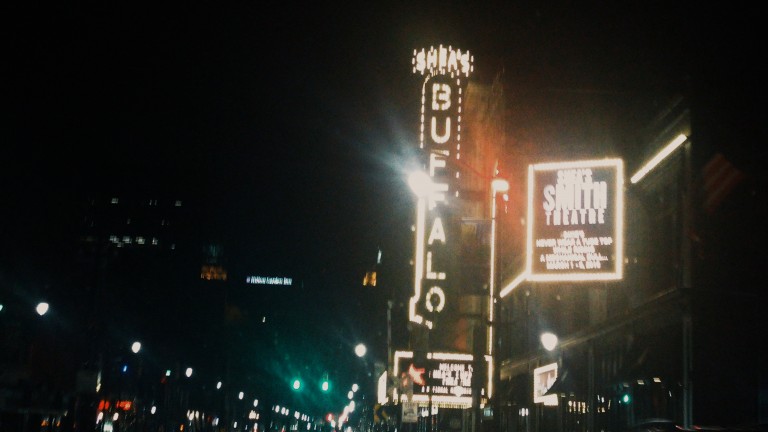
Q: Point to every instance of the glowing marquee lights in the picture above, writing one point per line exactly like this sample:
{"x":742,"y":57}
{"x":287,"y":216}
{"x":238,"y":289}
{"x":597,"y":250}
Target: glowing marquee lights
{"x":442,"y":61}
{"x":447,"y":378}
{"x":575,"y":214}
{"x":441,"y":109}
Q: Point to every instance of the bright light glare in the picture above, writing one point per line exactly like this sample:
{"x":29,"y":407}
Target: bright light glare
{"x":499,"y":185}
{"x":666,"y":151}
{"x":42,"y":308}
{"x":360,"y":350}
{"x":355,"y":387}
{"x":420,"y":183}
{"x":218,"y":385}
{"x":136,"y":347}
{"x":549,"y":341}
{"x":241,"y":395}
{"x":188,"y":372}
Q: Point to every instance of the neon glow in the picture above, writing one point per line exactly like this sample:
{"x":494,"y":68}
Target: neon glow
{"x":442,"y":61}
{"x":575,"y":221}
{"x":658,"y":158}
{"x":522,"y":277}
{"x":441,"y":107}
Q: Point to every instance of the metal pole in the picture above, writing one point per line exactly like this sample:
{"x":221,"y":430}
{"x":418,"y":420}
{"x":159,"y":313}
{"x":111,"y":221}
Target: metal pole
{"x":494,"y":342}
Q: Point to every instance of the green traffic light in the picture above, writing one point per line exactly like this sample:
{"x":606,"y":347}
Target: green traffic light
{"x":325,"y":385}
{"x":625,"y":398}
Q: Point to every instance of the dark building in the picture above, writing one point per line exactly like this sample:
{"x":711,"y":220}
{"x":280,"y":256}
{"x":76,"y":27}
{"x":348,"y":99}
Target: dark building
{"x":676,"y":339}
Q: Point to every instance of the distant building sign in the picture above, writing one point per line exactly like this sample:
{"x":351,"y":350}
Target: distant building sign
{"x":446,"y":378}
{"x":543,"y":379}
{"x":442,"y":97}
{"x":575,"y":220}
{"x":268,"y":280}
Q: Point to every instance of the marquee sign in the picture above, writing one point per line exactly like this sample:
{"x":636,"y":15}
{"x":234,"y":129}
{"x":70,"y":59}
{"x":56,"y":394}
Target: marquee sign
{"x":446,"y":378}
{"x":440,"y":143}
{"x":575,"y":221}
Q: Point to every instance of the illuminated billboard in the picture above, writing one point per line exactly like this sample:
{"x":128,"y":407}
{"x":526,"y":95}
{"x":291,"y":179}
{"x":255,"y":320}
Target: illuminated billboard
{"x":446,"y":378}
{"x":444,"y":71}
{"x":575,"y":221}
{"x":543,"y":379}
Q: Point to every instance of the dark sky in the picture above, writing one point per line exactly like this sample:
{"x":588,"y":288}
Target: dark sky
{"x":294,"y":121}
{"x":289,"y":123}
{"x":291,"y":120}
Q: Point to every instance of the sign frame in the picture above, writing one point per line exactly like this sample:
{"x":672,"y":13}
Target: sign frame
{"x":575,"y":221}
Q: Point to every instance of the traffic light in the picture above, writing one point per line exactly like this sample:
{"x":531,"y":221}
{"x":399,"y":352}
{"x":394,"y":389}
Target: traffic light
{"x":626,"y":398}
{"x":325,"y":383}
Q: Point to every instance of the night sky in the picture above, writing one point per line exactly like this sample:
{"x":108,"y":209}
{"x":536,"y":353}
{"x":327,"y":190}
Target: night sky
{"x":293,"y":123}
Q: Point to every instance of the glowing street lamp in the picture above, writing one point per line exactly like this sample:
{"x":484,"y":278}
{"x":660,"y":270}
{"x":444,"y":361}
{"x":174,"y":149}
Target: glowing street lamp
{"x":549,"y":341}
{"x":360,"y":350}
{"x":42,"y":308}
{"x":136,"y":347}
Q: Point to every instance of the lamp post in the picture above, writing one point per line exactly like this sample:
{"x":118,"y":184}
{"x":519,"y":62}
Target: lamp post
{"x":497,"y":185}
{"x":422,"y":186}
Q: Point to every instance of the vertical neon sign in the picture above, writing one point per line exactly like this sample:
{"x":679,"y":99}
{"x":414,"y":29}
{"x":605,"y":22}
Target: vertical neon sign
{"x":443,"y":69}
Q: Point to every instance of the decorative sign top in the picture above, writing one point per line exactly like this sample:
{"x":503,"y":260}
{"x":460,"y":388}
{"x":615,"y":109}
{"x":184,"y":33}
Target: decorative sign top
{"x":443,"y":61}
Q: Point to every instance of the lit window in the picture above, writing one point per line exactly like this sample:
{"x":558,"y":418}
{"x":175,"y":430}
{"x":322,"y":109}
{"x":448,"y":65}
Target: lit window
{"x":113,"y":239}
{"x":177,"y":203}
{"x":127,"y":240}
{"x":128,"y":221}
{"x":114,"y":200}
{"x":140,"y":240}
{"x":154,"y":241}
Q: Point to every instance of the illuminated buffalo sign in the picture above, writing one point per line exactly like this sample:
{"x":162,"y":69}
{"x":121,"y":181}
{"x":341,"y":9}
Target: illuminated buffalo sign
{"x":445,"y":378}
{"x":575,"y":220}
{"x":443,"y":69}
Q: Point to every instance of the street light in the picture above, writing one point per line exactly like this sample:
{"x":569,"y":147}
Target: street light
{"x":548,"y":341}
{"x":497,"y":185}
{"x":42,"y":308}
{"x":360,"y":350}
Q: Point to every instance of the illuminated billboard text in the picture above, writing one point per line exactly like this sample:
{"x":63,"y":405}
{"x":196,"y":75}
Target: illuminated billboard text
{"x":446,"y":378}
{"x":440,"y":139}
{"x":575,"y":214}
